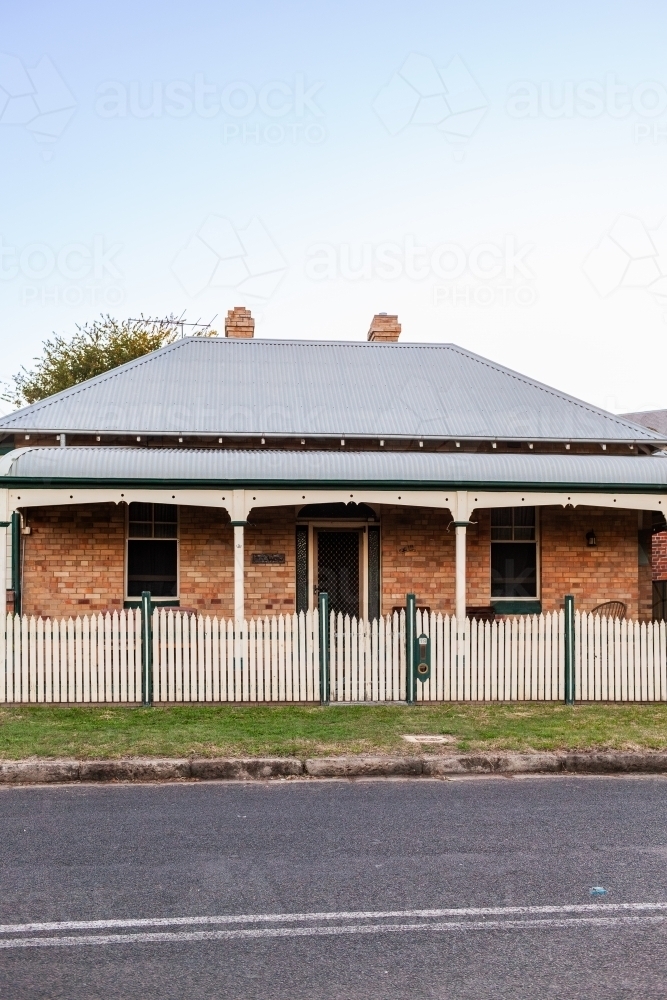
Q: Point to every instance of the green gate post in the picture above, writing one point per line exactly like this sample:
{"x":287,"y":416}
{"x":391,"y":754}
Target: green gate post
{"x":146,"y":650}
{"x":410,"y":624}
{"x":323,"y":604}
{"x":16,"y":561}
{"x":569,"y":649}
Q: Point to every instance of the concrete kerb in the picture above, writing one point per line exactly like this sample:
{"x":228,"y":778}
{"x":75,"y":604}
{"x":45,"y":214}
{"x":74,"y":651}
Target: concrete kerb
{"x":142,"y":769}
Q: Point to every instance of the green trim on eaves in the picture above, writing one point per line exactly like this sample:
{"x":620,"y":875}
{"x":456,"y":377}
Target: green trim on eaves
{"x":40,"y":483}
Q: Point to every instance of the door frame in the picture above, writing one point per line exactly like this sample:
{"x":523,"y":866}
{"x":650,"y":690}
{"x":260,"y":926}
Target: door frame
{"x":339,"y":525}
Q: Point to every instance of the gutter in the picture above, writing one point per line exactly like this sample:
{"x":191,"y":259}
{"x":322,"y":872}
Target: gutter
{"x":7,"y":481}
{"x":657,"y":440}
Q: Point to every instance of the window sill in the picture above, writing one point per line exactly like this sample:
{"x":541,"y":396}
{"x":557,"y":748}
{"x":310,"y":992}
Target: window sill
{"x":519,"y":606}
{"x":161,"y":602}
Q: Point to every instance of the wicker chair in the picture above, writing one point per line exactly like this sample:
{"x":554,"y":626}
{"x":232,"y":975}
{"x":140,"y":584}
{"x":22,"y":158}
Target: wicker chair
{"x":610,"y":609}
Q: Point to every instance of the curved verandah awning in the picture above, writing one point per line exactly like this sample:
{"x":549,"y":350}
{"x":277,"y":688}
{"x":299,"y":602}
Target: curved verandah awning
{"x":277,"y":468}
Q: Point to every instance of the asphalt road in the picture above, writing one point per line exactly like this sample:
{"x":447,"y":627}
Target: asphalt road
{"x":141,"y":882}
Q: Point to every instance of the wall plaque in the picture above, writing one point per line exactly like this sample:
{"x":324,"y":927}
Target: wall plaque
{"x":262,"y":558}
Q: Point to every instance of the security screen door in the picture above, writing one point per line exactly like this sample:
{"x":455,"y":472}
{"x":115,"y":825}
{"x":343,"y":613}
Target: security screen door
{"x":338,"y":569}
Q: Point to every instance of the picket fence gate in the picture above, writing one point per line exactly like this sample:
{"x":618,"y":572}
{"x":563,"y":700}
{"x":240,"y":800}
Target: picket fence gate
{"x":195,"y":658}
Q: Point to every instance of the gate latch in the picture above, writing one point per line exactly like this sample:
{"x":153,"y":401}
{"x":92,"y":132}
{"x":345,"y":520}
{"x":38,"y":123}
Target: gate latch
{"x":423,"y":657}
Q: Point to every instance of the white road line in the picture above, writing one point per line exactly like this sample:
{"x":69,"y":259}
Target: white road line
{"x":175,"y":937}
{"x":256,"y":918}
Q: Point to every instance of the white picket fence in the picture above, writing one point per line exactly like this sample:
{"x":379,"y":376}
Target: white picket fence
{"x":519,"y":659}
{"x":200,"y":659}
{"x":514,"y":659}
{"x":367,"y":660}
{"x":90,"y":659}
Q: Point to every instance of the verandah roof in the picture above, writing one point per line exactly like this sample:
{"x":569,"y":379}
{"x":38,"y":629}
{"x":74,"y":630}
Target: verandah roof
{"x":98,"y":466}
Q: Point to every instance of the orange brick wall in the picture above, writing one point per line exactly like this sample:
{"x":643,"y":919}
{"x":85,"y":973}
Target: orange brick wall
{"x":645,"y":603}
{"x":206,"y":560}
{"x":608,"y":572}
{"x":645,"y":566}
{"x":418,"y":554}
{"x":659,"y":556}
{"x":271,"y":588}
{"x":478,"y":563}
{"x":75,"y":559}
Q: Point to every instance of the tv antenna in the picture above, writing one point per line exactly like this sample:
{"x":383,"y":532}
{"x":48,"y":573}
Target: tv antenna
{"x":198,"y":328}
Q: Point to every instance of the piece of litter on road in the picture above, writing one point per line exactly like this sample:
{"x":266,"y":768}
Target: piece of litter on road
{"x":428,"y":738}
{"x":597,"y":890}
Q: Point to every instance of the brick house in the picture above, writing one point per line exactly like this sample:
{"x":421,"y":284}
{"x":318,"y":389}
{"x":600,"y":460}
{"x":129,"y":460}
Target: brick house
{"x":242,"y":476}
{"x":656,"y":420}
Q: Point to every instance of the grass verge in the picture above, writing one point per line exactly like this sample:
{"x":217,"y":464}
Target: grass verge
{"x":285,"y":730}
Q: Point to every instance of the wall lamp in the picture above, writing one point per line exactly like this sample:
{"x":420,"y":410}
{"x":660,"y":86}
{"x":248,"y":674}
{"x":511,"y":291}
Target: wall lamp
{"x":591,"y":540}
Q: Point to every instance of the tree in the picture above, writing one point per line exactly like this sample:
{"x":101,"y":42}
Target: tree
{"x":95,"y":348}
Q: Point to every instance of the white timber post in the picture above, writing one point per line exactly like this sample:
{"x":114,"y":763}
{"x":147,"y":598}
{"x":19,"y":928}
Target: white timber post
{"x":460,"y":597}
{"x":239,"y":522}
{"x":460,"y":524}
{"x":239,"y":609}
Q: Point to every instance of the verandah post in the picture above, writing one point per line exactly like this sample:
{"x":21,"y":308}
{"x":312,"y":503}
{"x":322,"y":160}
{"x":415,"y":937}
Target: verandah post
{"x":324,"y":647}
{"x":146,"y":650}
{"x":16,"y":561}
{"x":569,"y":649}
{"x":239,"y":524}
{"x":410,"y":612}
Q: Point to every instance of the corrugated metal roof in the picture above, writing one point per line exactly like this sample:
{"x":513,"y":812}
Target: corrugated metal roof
{"x":255,"y":387}
{"x":296,"y":468}
{"x":655,"y":420}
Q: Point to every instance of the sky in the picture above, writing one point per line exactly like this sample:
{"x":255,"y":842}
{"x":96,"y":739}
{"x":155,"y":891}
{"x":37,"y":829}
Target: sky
{"x":494,"y":173}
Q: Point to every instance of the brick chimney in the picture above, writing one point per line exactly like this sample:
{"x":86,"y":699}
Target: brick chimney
{"x":384,"y":329}
{"x":239,"y":324}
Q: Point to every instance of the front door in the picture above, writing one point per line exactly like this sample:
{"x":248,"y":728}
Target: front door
{"x":338,"y":569}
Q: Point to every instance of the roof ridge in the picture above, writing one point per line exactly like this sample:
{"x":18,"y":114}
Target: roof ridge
{"x":558,"y":393}
{"x":74,"y":390}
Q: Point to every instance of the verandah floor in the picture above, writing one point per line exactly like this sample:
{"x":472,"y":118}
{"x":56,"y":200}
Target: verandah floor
{"x":282,"y":730}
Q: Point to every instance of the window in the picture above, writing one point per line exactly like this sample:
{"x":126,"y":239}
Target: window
{"x":659,"y":600}
{"x":513,"y":552}
{"x":152,"y":550}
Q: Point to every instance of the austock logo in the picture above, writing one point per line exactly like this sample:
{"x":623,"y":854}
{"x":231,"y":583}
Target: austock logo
{"x":274,"y":112}
{"x":421,"y":94}
{"x":221,"y":256}
{"x":630,"y":256}
{"x":71,"y":274}
{"x":493,"y":273}
{"x":36,"y":98}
